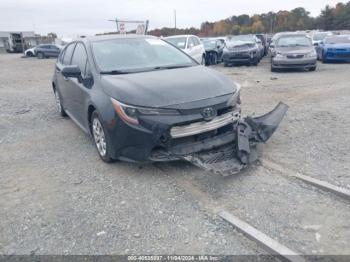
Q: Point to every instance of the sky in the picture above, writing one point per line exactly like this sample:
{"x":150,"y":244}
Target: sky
{"x":86,"y":17}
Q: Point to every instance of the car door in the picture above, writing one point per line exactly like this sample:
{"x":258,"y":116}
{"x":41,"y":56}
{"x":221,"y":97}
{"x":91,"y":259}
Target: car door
{"x":198,"y":49}
{"x":79,"y":91}
{"x":63,"y":83}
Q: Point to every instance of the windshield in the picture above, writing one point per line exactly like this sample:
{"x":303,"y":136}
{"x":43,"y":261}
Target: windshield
{"x":290,"y":41}
{"x":241,"y":38}
{"x":136,"y":55}
{"x":337,"y":40}
{"x":179,"y":42}
{"x":209,"y":43}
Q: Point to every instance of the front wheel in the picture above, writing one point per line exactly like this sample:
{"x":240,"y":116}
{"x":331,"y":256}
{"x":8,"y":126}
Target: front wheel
{"x":214,"y":59}
{"x":59,"y":104}
{"x":102,"y":142}
{"x":203,"y":60}
{"x":313,"y":68}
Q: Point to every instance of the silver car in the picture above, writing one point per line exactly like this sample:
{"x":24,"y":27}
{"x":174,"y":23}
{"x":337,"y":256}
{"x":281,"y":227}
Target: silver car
{"x":293,"y":51}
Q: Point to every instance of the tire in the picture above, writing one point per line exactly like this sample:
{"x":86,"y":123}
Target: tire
{"x":256,"y":61}
{"x":312,"y":68}
{"x":214,"y":59}
{"x":203,"y":60}
{"x":29,"y":54}
{"x":59,"y":104}
{"x":323,"y":59}
{"x":273,"y":69}
{"x":102,"y":141}
{"x":40,"y":55}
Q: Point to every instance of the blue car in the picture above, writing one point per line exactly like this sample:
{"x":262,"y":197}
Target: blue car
{"x":334,"y":48}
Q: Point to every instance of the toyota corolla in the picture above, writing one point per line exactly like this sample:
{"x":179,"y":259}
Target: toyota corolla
{"x":143,"y":99}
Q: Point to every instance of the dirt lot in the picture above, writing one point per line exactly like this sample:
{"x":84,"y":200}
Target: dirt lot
{"x":58,"y":197}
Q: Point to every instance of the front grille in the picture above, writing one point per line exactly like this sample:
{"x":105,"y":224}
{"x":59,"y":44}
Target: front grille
{"x":343,"y":55}
{"x":295,"y":56}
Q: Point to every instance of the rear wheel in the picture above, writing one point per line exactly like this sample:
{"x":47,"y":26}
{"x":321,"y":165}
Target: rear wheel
{"x":313,"y":68}
{"x":102,"y":142}
{"x":29,"y":54}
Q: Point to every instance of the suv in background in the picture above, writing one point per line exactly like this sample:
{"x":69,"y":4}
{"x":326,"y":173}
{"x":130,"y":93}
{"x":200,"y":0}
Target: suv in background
{"x":47,"y":50}
{"x":190,"y":44}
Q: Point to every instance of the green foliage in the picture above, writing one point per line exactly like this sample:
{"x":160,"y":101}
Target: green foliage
{"x":331,"y":18}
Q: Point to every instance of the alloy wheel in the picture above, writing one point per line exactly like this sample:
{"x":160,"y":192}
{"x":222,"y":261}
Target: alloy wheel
{"x":99,"y":136}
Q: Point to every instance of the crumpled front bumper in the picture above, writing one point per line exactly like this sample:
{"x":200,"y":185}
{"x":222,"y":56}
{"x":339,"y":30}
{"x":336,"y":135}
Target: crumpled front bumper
{"x":234,"y":156}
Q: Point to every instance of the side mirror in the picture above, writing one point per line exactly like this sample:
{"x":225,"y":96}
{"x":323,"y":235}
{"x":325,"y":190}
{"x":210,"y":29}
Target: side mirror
{"x":71,"y":71}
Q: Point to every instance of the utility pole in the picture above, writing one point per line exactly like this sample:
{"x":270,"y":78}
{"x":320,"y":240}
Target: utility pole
{"x":175,"y":20}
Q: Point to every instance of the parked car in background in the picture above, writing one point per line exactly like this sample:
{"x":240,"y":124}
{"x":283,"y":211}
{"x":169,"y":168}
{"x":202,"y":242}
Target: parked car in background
{"x":263,"y":40}
{"x":47,"y":50}
{"x":144,"y":100}
{"x":190,"y":44}
{"x":213,"y":50}
{"x":318,"y":37}
{"x":242,"y":49}
{"x":293,"y":51}
{"x":334,"y":48}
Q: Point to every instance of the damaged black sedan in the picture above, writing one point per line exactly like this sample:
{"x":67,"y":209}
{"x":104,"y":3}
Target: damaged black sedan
{"x":143,"y":99}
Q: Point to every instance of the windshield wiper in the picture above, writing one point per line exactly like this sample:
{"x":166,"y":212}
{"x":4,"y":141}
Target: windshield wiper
{"x":114,"y":72}
{"x":170,"y":67}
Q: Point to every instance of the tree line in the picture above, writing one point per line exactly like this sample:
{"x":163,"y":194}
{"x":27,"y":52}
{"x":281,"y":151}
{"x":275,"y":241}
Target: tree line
{"x":330,"y":18}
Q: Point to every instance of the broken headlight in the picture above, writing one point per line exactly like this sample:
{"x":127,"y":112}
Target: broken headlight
{"x":130,"y":114}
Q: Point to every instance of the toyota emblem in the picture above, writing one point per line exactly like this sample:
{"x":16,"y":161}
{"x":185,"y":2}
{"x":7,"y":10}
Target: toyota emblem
{"x":208,"y":113}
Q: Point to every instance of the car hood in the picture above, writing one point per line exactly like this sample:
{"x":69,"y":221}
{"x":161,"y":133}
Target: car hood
{"x":164,"y":88}
{"x":295,"y":49}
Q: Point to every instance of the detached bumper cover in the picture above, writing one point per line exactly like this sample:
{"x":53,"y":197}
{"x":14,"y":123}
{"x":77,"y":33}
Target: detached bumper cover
{"x":233,"y":157}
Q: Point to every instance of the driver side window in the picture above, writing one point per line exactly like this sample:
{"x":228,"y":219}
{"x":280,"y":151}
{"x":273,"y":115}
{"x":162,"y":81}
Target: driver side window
{"x":80,"y":58}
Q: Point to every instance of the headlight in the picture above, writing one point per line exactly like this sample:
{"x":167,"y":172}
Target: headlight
{"x":312,"y":54}
{"x":130,"y":114}
{"x":236,"y":97}
{"x":279,"y":55}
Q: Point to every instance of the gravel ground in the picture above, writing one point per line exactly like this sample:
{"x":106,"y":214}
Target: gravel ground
{"x":58,"y":197}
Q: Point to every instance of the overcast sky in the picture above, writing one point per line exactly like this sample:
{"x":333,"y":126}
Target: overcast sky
{"x":71,"y":17}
